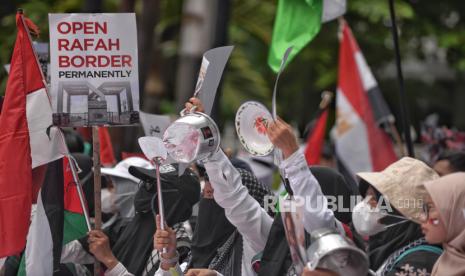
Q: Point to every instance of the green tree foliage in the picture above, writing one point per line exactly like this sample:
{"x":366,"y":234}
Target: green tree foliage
{"x":315,"y":69}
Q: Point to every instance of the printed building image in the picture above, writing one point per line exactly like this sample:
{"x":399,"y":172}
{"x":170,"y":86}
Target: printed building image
{"x":81,"y":104}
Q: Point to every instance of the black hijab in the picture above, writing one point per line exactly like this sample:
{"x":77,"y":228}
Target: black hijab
{"x":212,"y":231}
{"x":333,"y":183}
{"x":213,"y":228}
{"x":276,"y":258}
{"x":132,"y":244}
{"x":383,"y":244}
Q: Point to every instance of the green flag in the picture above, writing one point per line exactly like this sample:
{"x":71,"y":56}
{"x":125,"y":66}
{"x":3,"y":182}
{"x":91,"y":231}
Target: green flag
{"x":297,"y":22}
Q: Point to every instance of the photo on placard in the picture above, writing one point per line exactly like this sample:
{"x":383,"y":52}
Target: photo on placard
{"x":201,"y":78}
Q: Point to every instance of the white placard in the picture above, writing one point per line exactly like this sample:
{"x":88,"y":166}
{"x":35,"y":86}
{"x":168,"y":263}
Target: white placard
{"x":153,"y":124}
{"x":94,"y":69}
{"x":153,"y":148}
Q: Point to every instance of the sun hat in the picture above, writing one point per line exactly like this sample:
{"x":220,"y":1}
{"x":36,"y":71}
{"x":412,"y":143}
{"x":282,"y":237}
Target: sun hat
{"x":401,"y":183}
{"x":121,"y":169}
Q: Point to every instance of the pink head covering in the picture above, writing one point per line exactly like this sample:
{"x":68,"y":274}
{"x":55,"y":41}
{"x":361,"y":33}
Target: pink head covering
{"x":448,"y":195}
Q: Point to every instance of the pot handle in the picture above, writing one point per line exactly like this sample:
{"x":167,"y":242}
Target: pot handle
{"x":184,"y":111}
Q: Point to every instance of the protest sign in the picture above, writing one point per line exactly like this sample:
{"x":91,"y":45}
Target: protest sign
{"x":94,"y":69}
{"x":154,"y":125}
{"x":210,"y":73}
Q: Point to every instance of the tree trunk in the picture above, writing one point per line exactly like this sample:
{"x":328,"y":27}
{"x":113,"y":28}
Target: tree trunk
{"x":221,"y":39}
{"x":197,"y":36}
{"x":125,"y":138}
{"x":127,"y":5}
{"x":92,"y":6}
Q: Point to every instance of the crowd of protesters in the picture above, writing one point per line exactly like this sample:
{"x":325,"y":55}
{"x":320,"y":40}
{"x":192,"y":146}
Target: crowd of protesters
{"x":217,"y":223}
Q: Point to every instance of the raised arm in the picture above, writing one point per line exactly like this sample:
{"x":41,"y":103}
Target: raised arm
{"x":301,"y":180}
{"x":241,"y":209}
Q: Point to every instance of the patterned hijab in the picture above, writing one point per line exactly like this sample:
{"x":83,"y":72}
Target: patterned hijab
{"x":448,"y":194}
{"x":256,"y":189}
{"x":221,"y":248}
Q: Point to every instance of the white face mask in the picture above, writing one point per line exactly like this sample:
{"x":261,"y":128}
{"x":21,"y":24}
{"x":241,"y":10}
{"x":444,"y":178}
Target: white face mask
{"x":108,"y":201}
{"x":366,"y":219}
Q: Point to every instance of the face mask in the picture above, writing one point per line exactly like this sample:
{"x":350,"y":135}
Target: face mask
{"x":108,"y":201}
{"x":366,"y":219}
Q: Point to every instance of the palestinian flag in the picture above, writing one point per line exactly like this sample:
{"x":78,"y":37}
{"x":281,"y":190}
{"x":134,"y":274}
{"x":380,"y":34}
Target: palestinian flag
{"x":58,"y":220}
{"x":25,"y":141}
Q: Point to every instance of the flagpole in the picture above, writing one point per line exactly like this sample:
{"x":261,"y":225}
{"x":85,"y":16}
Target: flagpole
{"x":97,"y":178}
{"x":404,"y":111}
{"x":67,"y":154}
{"x":97,"y":188}
{"x":78,"y":188}
{"x":397,"y":138}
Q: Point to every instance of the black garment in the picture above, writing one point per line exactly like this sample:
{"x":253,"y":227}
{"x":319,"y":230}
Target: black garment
{"x":74,"y":141}
{"x":216,"y":243}
{"x":382,"y":245}
{"x":419,"y":262}
{"x":212,"y":231}
{"x":132,"y":244}
{"x":276,"y":258}
{"x":334,"y":184}
{"x":86,"y":177}
{"x":228,"y":260}
{"x":11,"y":265}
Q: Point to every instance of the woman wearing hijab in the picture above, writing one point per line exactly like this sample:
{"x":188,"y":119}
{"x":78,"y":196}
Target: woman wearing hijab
{"x":444,"y":222}
{"x":276,"y":258}
{"x":252,"y":221}
{"x":131,"y":244}
{"x":118,"y":200}
{"x":216,"y":245}
{"x":389,"y":216}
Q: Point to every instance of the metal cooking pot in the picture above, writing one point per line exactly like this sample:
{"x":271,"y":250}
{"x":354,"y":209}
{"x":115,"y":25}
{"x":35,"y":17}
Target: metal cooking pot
{"x":194,"y":136}
{"x":330,"y":250}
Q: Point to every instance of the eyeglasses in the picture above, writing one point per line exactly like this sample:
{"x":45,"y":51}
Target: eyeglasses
{"x":426,"y":212}
{"x":426,"y":209}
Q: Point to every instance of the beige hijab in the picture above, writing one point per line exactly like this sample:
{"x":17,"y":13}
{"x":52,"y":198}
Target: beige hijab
{"x":448,"y":194}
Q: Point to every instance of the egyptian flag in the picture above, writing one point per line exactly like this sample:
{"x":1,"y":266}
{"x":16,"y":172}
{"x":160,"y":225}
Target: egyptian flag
{"x":316,"y":138}
{"x":361,"y":146}
{"x":58,"y":219}
{"x":25,"y":143}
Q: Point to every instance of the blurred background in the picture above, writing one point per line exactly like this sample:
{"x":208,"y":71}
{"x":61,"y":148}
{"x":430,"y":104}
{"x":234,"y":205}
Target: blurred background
{"x":173,"y":35}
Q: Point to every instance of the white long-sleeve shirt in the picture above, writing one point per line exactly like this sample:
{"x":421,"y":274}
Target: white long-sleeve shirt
{"x":246,"y":214}
{"x":241,"y":209}
{"x":306,"y":186}
{"x":74,"y":253}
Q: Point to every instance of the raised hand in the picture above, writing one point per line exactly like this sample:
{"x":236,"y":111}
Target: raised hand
{"x":99,"y":246}
{"x":282,"y":136}
{"x":165,"y":239}
{"x":194,"y":102}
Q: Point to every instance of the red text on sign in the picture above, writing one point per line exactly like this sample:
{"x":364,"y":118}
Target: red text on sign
{"x":88,"y":44}
{"x":96,"y":61}
{"x":82,"y":27}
